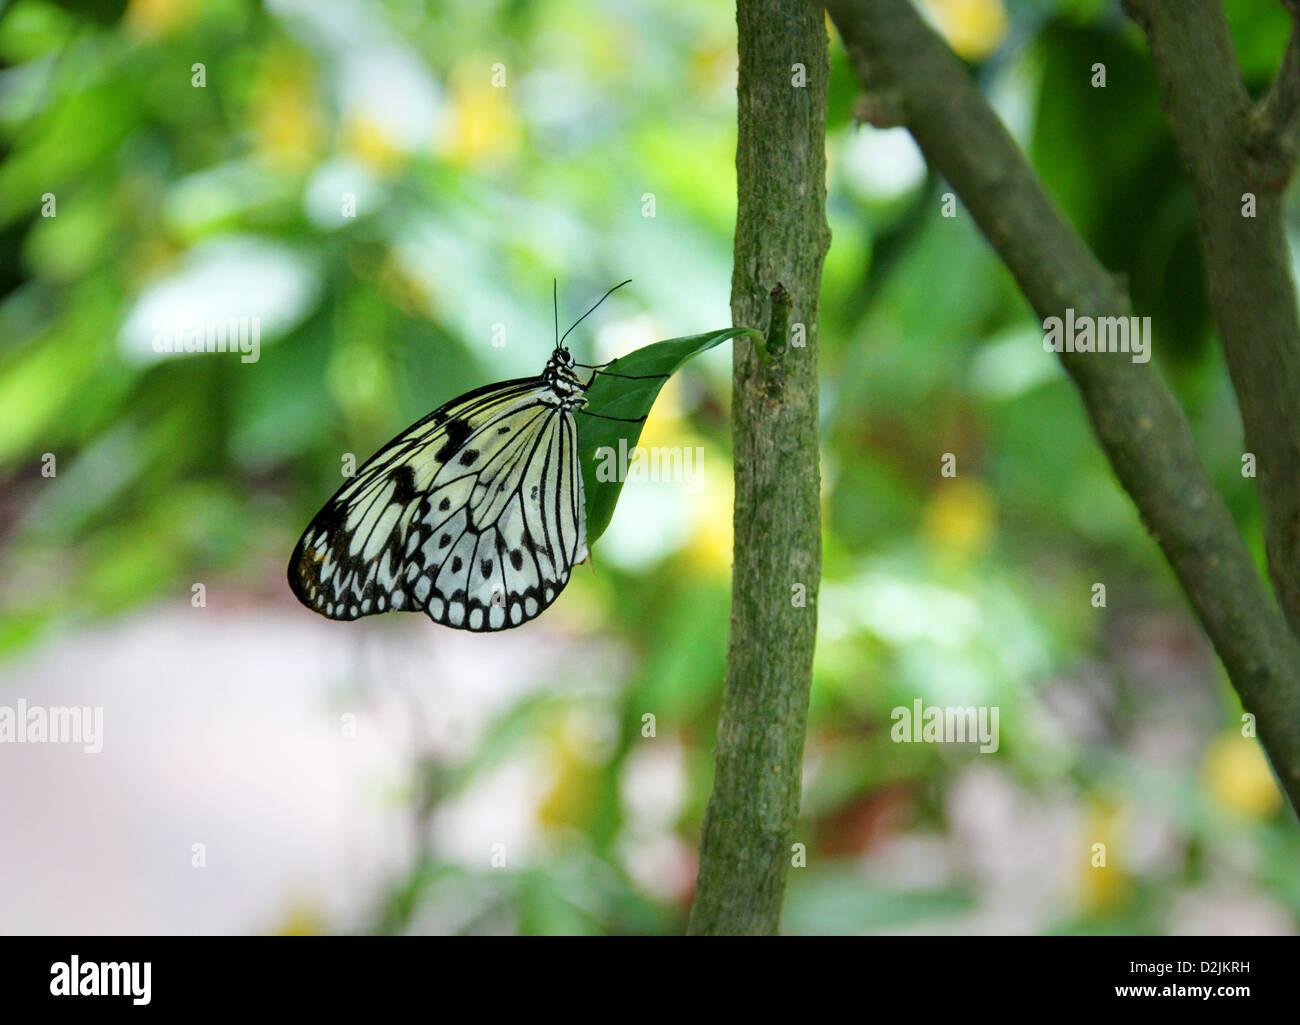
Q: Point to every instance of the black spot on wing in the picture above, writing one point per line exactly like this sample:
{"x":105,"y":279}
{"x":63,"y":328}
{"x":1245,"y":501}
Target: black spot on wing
{"x":457,"y":432}
{"x":403,"y":478}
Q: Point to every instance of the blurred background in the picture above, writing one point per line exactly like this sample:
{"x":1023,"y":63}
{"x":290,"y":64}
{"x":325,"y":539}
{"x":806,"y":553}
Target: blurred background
{"x":390,"y":188}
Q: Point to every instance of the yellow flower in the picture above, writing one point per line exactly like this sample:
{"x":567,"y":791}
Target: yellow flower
{"x":371,"y":145}
{"x":151,"y":19}
{"x":959,"y":519}
{"x":572,"y":797}
{"x":710,"y":497}
{"x":483,"y":124}
{"x":711,"y":68}
{"x":1237,"y":774}
{"x":301,"y":918}
{"x":286,"y":117}
{"x":1105,"y":884}
{"x":973,"y":28}
{"x":710,"y":547}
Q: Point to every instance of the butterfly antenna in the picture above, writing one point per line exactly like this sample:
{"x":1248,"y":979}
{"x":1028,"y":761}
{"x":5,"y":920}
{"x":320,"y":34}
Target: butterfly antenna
{"x":593,"y":309}
{"x":555,"y":304}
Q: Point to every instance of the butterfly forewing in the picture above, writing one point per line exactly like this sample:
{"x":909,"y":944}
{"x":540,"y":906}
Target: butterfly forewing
{"x":473,"y":515}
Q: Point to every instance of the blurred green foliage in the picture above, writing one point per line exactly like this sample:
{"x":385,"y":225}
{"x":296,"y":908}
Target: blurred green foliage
{"x":1116,"y":724}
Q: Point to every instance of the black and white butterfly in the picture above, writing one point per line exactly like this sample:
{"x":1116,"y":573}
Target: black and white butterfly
{"x":474,"y":515}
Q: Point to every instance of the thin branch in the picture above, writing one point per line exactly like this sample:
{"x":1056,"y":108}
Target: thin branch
{"x":1137,"y":420}
{"x":1279,"y":113}
{"x":1239,"y":205}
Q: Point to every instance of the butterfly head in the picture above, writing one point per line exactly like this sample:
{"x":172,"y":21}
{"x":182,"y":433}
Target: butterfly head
{"x":561,"y":375}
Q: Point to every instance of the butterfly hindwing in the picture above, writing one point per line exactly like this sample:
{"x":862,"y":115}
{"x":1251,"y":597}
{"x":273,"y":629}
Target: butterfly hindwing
{"x":473,"y":515}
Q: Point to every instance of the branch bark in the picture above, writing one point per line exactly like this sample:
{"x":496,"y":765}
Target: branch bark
{"x":781,"y":239}
{"x":1231,"y":151}
{"x":1137,"y":420}
{"x":1279,"y":114}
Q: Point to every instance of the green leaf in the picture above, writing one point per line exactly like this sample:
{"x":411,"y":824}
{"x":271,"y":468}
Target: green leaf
{"x":630,"y":398}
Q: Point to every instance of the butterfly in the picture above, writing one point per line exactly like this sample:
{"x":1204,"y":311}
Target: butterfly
{"x":474,"y":515}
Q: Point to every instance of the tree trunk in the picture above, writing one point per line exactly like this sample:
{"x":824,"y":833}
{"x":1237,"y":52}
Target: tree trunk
{"x":781,"y":240}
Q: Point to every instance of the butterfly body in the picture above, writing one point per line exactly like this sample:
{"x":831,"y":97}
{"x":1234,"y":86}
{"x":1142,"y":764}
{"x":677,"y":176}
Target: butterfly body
{"x":474,"y":515}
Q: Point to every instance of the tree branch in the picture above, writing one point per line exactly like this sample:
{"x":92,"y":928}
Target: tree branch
{"x":781,"y":239}
{"x":1136,"y":418}
{"x":1247,"y":259}
{"x":1279,"y":112}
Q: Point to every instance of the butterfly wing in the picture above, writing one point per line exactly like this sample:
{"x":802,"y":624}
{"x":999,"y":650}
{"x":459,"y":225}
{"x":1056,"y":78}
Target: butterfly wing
{"x":474,"y":515}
